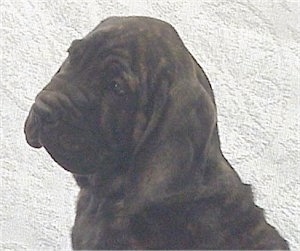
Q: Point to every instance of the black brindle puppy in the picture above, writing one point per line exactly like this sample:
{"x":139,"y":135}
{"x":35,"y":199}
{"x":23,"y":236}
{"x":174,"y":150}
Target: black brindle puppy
{"x":132,"y":115}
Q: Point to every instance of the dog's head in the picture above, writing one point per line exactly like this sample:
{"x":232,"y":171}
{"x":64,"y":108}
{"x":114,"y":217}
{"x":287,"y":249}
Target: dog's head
{"x":129,"y":94}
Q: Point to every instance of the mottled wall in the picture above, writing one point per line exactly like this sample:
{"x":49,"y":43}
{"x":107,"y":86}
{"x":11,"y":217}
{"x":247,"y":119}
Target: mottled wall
{"x":250,"y":52}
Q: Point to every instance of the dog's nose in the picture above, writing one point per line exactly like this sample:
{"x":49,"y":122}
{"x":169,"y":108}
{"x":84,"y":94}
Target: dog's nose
{"x":43,"y":114}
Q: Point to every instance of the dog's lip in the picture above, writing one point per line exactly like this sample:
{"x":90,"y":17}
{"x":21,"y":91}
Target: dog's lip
{"x":32,"y":134}
{"x":35,"y":143}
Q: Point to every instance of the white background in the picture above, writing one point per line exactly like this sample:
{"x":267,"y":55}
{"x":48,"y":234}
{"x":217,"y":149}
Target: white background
{"x":250,"y":52}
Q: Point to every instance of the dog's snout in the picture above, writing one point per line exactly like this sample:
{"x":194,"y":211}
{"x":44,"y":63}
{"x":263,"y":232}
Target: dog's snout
{"x":40,"y":116}
{"x":43,"y":114}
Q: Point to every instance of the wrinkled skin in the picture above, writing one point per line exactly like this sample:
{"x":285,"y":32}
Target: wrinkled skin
{"x":132,"y":115}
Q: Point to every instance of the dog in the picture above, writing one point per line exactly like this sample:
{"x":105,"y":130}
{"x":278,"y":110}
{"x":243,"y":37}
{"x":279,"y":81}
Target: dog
{"x":132,"y":115}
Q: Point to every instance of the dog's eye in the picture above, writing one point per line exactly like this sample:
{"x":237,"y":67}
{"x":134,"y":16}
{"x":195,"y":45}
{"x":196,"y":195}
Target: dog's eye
{"x":117,"y":88}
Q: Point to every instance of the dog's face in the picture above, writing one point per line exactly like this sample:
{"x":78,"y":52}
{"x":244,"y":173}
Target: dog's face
{"x":127,"y":81}
{"x":85,"y":116}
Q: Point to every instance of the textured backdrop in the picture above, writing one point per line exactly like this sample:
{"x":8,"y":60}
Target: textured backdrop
{"x":250,"y":52}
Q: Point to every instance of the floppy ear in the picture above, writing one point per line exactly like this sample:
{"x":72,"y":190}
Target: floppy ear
{"x":172,"y":151}
{"x":150,"y":114}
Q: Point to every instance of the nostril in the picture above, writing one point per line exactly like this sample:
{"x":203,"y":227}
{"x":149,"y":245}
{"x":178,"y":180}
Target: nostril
{"x":44,"y":112}
{"x":48,"y":119}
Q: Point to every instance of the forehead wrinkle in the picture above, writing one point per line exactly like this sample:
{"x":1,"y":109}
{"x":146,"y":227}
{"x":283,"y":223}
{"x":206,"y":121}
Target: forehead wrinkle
{"x":125,"y":37}
{"x":143,"y":48}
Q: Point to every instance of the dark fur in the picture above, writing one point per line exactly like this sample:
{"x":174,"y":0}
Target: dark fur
{"x":132,"y":115}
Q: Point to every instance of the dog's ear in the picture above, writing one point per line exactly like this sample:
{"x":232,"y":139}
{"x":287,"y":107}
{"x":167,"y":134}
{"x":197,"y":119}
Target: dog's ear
{"x":153,"y":102}
{"x":179,"y":133}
